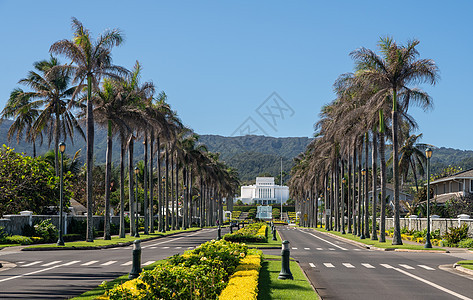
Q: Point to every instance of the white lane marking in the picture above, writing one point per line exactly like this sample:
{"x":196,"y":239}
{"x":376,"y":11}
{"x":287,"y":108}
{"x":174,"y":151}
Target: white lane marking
{"x":127,"y":263}
{"x":71,"y":263}
{"x":320,"y":249}
{"x":39,"y":271}
{"x":51,"y":263}
{"x":331,"y":249}
{"x":163,"y":242}
{"x":148,"y":262}
{"x":306,"y":248}
{"x":426,"y":267}
{"x":294,"y":248}
{"x":190,"y":247}
{"x":311,"y":265}
{"x":90,"y":263}
{"x":178,"y":248}
{"x":433,"y":284}
{"x":20,"y":262}
{"x":407,"y":267}
{"x":153,"y":247}
{"x":335,"y":245}
{"x":368,"y":266}
{"x":387,"y":266}
{"x":329,"y":265}
{"x":33,"y":263}
{"x":111,"y":262}
{"x":348,"y":265}
{"x":357,"y":249}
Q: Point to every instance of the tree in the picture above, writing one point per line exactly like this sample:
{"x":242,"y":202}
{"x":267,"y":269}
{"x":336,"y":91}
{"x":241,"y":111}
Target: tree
{"x":393,"y":73}
{"x":91,"y":61}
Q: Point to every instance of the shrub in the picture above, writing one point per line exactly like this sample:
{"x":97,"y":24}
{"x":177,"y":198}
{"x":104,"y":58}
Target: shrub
{"x":72,"y":237}
{"x":46,"y":230}
{"x":252,"y":233}
{"x":3,"y":234}
{"x":466,"y":243}
{"x":455,"y":234}
{"x":243,"y":283}
{"x":201,"y":273}
{"x":18,"y":239}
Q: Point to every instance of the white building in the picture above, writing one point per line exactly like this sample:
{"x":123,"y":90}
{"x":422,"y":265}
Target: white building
{"x":264,"y":192}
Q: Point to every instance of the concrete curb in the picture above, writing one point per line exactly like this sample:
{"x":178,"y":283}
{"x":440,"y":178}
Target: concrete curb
{"x":6,"y":265}
{"x":462,"y":269}
{"x":102,"y":247}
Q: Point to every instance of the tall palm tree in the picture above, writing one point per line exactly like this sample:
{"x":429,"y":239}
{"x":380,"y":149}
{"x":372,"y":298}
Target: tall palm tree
{"x":91,"y":61}
{"x":393,"y":73}
{"x":24,"y":113}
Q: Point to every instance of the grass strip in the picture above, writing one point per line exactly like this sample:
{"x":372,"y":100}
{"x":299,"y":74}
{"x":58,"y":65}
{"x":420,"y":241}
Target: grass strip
{"x":374,"y":243}
{"x":107,"y":285}
{"x":270,"y":287}
{"x":115,"y":241}
{"x":467,"y":264}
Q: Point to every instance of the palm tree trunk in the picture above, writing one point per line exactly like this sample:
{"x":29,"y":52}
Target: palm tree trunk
{"x":366,"y":208}
{"x":326,"y":202}
{"x":189,"y":198}
{"x":382,"y":217}
{"x":397,"y":240}
{"x":342,"y":229}
{"x":131,"y":187}
{"x":173,"y":225}
{"x":331,"y":202}
{"x":360,"y":193}
{"x":201,"y":206}
{"x":176,"y":197}
{"x":108,"y":171}
{"x":355,"y":228}
{"x":145,"y":183}
{"x":166,"y":196}
{"x":184,"y":200}
{"x":34,"y":149}
{"x":374,"y":160}
{"x":122,"y":188}
{"x":160,"y":187}
{"x":413,"y":167}
{"x":89,"y":162}
{"x":350,"y":192}
{"x":151,"y":183}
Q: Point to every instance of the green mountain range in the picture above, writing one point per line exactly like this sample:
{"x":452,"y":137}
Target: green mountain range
{"x":251,"y":155}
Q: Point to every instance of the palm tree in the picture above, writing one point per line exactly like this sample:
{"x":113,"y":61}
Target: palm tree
{"x":24,"y":112}
{"x":413,"y":157}
{"x":91,"y":61}
{"x":393,"y":73}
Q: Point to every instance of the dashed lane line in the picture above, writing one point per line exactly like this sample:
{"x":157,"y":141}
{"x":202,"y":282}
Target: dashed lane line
{"x":426,"y":267}
{"x":39,"y":271}
{"x":51,"y":263}
{"x":335,"y":245}
{"x":367,"y":266}
{"x":90,"y":263}
{"x":33,"y":263}
{"x":329,"y":265}
{"x":108,"y":263}
{"x":311,"y":265}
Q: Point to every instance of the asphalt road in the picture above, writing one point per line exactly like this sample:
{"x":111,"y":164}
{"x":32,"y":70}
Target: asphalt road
{"x":340,"y":270}
{"x":68,"y":273}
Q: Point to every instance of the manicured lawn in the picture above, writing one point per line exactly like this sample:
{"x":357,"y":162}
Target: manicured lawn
{"x":270,"y":287}
{"x":466,"y":264}
{"x":386,"y":245}
{"x":8,"y":245}
{"x":107,"y":285}
{"x":114,"y":241}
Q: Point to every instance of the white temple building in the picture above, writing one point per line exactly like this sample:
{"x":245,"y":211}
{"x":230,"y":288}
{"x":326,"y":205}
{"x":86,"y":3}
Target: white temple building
{"x":264,"y":192}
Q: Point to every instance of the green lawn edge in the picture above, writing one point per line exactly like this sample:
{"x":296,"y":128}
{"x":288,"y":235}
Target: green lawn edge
{"x":115,"y":241}
{"x":467,"y":264}
{"x":270,"y":287}
{"x":375,"y":243}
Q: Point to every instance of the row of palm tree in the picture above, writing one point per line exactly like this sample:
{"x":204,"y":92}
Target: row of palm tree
{"x":371,"y":107}
{"x":90,"y":88}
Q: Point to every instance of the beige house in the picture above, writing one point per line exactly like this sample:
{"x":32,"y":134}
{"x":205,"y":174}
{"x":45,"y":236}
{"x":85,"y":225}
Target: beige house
{"x":457,"y":185}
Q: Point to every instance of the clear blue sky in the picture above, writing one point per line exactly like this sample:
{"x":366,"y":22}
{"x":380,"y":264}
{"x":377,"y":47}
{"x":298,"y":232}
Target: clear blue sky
{"x":218,"y":61}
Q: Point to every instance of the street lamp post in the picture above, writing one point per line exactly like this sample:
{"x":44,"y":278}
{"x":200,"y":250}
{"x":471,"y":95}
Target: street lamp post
{"x":136,"y":201}
{"x":428,"y":154}
{"x":60,"y":241}
{"x":363,"y":208}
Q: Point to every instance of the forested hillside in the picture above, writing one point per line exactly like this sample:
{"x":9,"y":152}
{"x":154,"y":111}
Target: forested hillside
{"x":251,"y":155}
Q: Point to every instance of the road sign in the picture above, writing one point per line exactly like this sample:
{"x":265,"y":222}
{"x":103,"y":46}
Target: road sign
{"x":305,"y":217}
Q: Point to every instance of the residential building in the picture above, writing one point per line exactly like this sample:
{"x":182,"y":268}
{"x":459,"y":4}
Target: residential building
{"x":454,"y":186}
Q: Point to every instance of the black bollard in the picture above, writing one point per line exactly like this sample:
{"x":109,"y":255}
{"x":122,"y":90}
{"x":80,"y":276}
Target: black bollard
{"x":136,"y":268}
{"x":285,"y":271}
{"x":219,"y":233}
{"x":274,"y":234}
{"x":231,"y":228}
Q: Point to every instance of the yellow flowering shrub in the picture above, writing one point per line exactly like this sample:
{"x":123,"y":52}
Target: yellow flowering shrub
{"x":243,"y":284}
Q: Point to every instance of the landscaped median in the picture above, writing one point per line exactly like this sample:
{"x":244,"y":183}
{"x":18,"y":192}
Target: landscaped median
{"x":465,"y":266}
{"x":255,"y":235}
{"x":103,"y":244}
{"x":374,"y":244}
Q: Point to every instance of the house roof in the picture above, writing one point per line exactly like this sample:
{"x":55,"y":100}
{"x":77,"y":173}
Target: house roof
{"x":442,"y":199}
{"x":468,"y":174}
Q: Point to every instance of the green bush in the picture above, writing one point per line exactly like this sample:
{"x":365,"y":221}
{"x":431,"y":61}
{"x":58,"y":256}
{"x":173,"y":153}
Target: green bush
{"x":466,"y":243}
{"x":455,"y":234}
{"x":249,"y":234}
{"x":18,"y":239}
{"x":201,"y":273}
{"x":46,"y":230}
{"x":72,"y":237}
{"x":3,"y":234}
